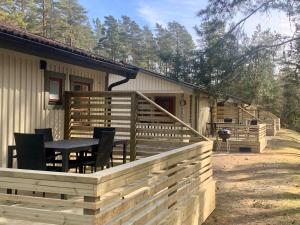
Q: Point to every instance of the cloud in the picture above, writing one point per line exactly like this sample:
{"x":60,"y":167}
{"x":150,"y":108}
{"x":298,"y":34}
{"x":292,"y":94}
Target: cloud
{"x":150,"y":14}
{"x":164,"y":11}
{"x":185,"y":12}
{"x":275,"y":20}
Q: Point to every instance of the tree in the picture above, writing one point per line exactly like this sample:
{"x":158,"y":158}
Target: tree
{"x":71,"y":24}
{"x":110,"y":43}
{"x":12,"y":13}
{"x":150,"y":49}
{"x":182,"y":46}
{"x":164,"y":48}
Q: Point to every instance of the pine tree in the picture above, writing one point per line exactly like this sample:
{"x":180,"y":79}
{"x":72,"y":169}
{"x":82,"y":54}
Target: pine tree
{"x":150,"y":50}
{"x":164,"y":48}
{"x":110,"y":44}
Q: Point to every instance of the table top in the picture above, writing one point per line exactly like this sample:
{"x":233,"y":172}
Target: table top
{"x":71,"y":143}
{"x":78,"y":143}
{"x":74,"y":143}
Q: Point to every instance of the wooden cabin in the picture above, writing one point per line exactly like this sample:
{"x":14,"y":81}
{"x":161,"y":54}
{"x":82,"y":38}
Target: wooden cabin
{"x":248,"y":132}
{"x":44,"y":83}
{"x":188,"y":102}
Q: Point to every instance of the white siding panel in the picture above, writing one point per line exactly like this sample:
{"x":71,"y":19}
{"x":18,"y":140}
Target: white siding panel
{"x":147,"y":83}
{"x":22,"y":95}
{"x":204,"y":114}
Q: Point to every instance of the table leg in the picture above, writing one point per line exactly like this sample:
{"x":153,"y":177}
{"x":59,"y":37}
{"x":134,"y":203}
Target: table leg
{"x":65,"y":168}
{"x":10,"y":152}
{"x":80,"y":159}
{"x":65,"y":161}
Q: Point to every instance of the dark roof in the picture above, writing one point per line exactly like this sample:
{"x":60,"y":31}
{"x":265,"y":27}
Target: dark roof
{"x":22,"y":41}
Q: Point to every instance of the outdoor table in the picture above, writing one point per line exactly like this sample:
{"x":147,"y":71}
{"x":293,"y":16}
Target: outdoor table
{"x":65,"y":147}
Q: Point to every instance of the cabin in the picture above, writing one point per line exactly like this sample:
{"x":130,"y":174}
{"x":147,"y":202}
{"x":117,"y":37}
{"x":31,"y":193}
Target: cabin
{"x":248,"y":132}
{"x":188,"y":102}
{"x":165,"y":173}
{"x":272,"y":121}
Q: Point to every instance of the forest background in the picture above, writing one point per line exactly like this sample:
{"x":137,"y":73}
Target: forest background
{"x":262,"y":68}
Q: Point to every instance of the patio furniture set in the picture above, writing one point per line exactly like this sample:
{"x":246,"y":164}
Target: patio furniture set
{"x":40,"y":151}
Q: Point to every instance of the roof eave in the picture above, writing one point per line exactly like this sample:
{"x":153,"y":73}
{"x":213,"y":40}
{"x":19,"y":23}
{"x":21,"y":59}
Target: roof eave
{"x":24,"y":45}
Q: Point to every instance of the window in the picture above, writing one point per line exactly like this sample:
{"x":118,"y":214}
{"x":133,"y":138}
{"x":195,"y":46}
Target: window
{"x":80,"y":83}
{"x":54,"y":88}
{"x":166,"y":102}
{"x":55,"y":91}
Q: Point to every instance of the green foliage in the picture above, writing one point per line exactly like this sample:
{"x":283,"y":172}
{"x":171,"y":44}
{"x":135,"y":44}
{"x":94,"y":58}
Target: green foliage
{"x":226,"y":60}
{"x":249,"y":65}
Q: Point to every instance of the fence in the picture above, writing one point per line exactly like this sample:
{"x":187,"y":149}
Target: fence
{"x":149,"y":128}
{"x":175,"y":187}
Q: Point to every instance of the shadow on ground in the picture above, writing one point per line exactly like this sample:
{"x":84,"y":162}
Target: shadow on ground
{"x":259,"y":189}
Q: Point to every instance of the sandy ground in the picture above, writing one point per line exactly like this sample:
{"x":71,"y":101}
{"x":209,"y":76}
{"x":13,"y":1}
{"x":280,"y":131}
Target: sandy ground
{"x":260,"y":189}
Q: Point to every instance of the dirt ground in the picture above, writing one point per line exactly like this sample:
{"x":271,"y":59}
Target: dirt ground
{"x":260,"y":189}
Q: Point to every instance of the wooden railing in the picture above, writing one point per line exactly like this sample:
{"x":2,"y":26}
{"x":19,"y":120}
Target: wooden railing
{"x":175,"y":187}
{"x":149,"y":128}
{"x":245,"y":116}
{"x":246,"y":132}
{"x":272,"y":121}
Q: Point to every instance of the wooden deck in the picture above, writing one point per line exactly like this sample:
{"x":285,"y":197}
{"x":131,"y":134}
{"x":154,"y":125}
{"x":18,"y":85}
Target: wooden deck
{"x":167,"y":178}
{"x":246,"y":138}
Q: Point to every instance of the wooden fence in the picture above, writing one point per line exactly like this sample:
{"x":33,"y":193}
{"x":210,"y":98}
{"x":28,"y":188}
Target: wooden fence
{"x":149,"y":128}
{"x":174,"y":187}
{"x":245,"y":132}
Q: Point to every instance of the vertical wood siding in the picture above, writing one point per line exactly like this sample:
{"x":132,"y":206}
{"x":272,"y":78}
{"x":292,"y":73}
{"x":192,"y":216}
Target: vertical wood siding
{"x":22,"y":95}
{"x":147,"y":83}
{"x":204,"y":114}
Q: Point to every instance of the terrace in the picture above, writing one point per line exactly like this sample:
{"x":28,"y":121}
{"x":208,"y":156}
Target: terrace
{"x":248,"y":132}
{"x":167,"y":177}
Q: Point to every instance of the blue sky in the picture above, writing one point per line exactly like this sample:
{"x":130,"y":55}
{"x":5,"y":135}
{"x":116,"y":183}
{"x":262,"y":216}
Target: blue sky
{"x":149,"y":12}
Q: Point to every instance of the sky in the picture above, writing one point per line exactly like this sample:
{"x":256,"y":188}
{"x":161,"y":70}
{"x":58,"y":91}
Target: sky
{"x":149,"y":12}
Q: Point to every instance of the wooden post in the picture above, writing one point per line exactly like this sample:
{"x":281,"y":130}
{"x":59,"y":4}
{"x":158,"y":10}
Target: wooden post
{"x":67,"y":115}
{"x":133,"y":120}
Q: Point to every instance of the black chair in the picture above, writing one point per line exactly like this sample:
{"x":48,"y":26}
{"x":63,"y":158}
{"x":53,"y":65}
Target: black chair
{"x":98,"y":131}
{"x":50,"y":153}
{"x":101,"y":158}
{"x":31,"y":152}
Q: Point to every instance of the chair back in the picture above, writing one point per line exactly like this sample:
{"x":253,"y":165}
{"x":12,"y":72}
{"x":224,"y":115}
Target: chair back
{"x":105,"y":148}
{"x":47,"y":132}
{"x":98,"y":132}
{"x":30,"y":151}
{"x":48,"y":136}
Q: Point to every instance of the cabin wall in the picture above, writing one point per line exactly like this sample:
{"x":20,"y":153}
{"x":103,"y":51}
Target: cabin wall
{"x":146,"y":83}
{"x":204,"y":114}
{"x":228,"y":111}
{"x":152,"y":86}
{"x":22,"y":95}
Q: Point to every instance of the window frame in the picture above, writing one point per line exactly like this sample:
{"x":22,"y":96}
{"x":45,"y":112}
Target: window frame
{"x":81,"y":80}
{"x":54,"y":76}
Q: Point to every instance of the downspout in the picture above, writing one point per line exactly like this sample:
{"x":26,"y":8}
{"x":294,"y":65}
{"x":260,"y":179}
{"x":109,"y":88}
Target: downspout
{"x":111,"y":86}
